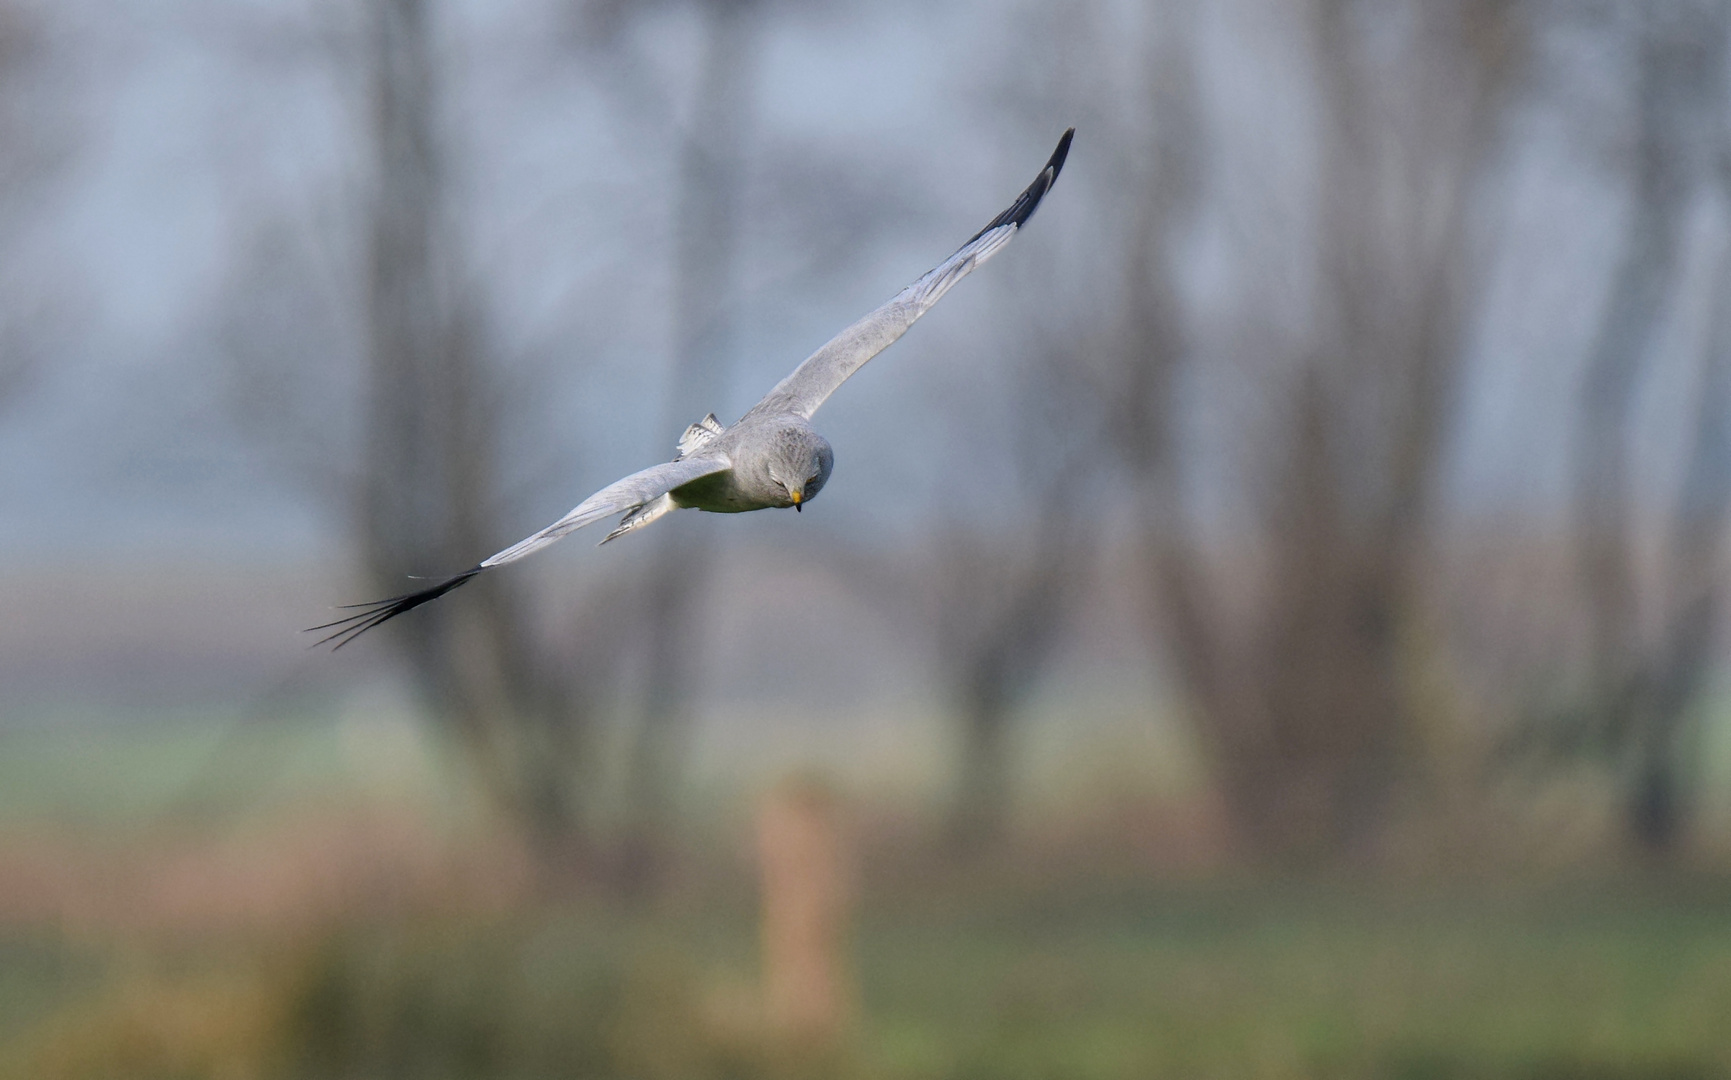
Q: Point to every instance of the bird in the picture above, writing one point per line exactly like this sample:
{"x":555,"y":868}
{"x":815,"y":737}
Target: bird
{"x":772,"y":458}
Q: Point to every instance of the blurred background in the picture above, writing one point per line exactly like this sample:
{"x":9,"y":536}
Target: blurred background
{"x":1268,"y":623}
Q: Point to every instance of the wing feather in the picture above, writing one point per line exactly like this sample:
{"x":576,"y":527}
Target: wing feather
{"x":617,"y":497}
{"x":621,"y":496}
{"x":811,"y":384}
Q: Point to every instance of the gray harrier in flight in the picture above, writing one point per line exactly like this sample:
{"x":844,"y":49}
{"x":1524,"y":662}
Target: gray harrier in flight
{"x":772,"y":457}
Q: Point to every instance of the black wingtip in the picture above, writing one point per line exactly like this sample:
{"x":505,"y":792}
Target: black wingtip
{"x":383,"y":611}
{"x":1056,"y":163}
{"x":1029,"y":201}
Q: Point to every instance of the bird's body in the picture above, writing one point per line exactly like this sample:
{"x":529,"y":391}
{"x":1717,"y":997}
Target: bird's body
{"x":771,"y":458}
{"x":767,"y":456}
{"x":723,"y":493}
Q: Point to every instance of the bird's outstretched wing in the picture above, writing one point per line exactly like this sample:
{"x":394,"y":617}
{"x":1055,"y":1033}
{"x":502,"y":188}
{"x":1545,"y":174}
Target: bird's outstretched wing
{"x":818,"y":376}
{"x":621,"y":496}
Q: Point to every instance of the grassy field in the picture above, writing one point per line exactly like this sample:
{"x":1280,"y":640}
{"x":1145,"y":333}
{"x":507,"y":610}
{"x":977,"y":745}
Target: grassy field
{"x":1204,"y":981}
{"x":1332,"y":981}
{"x":186,"y":903}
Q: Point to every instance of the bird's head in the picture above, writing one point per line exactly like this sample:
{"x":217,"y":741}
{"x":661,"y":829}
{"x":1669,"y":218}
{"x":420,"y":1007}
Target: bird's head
{"x":799,"y":463}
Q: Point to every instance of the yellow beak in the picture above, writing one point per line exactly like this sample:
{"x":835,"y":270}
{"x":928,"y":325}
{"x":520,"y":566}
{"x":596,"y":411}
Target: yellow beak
{"x":797,"y":496}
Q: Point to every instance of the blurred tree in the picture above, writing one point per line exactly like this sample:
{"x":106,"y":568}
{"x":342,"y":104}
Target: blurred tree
{"x":1644,"y":685}
{"x":714,"y":149}
{"x":430,"y":483}
{"x":1005,"y":568}
{"x":1298,"y":675}
{"x":426,"y":475}
{"x":997,"y":590}
{"x":712,"y":135}
{"x":34,"y":143}
{"x":417,"y":468}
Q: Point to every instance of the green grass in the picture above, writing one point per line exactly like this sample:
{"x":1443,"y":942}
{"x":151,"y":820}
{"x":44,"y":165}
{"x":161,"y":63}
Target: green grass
{"x":108,"y":777}
{"x":1331,"y":983}
{"x":40,"y":973}
{"x":1275,"y":982}
{"x":1013,"y":974}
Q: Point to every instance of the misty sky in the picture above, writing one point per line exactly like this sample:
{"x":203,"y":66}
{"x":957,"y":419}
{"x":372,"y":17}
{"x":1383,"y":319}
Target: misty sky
{"x":885,"y":134}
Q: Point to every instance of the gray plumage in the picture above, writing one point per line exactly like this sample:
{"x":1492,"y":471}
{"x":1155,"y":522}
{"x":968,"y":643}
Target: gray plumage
{"x":771,"y":458}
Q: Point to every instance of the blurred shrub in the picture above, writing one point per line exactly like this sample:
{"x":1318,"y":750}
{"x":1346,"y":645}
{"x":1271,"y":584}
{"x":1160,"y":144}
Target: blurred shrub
{"x":454,"y":1000}
{"x":443,"y":999}
{"x":527,"y":999}
{"x":145,"y":1026}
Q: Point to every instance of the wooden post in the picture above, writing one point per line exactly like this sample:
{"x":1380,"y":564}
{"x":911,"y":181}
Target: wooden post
{"x":807,"y":903}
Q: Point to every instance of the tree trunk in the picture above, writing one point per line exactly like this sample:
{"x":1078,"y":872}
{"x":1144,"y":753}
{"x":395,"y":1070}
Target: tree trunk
{"x":1300,"y":694}
{"x":429,"y":487}
{"x":978,"y":818}
{"x":712,"y":171}
{"x":1641,"y":688}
